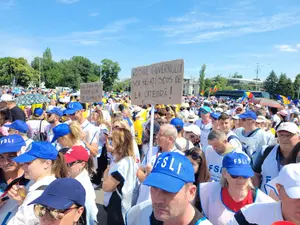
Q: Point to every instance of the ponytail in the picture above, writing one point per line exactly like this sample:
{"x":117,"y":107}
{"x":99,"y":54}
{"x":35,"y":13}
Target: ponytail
{"x":89,"y":166}
{"x":59,"y":166}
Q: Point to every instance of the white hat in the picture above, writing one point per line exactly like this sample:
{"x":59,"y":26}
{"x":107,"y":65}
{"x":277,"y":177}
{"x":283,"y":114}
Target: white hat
{"x":236,"y":117}
{"x":218,"y":109}
{"x":283,"y":113}
{"x":7,"y":98}
{"x":289,"y":178}
{"x":193,"y":128}
{"x":261,"y":119}
{"x":289,"y":127}
{"x":258,"y":106}
{"x":192,"y":117}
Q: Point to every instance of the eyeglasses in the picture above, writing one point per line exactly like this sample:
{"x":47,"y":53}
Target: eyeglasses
{"x":72,"y":163}
{"x":40,"y":211}
{"x":235,"y":177}
{"x":193,"y":154}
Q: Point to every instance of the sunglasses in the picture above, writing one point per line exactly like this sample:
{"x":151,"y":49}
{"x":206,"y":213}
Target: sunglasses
{"x":193,"y":154}
{"x":72,"y":163}
{"x":235,"y":177}
{"x":40,"y":211}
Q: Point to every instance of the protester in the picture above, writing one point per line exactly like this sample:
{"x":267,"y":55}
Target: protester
{"x":53,"y":118}
{"x":172,"y":191}
{"x":193,"y":133}
{"x":215,"y":152}
{"x":273,"y":158}
{"x":37,"y":125}
{"x":14,"y":112}
{"x":286,"y":210}
{"x":4,"y":120}
{"x":90,"y":138}
{"x":119,"y":178}
{"x":42,"y":164}
{"x":62,"y":203}
{"x":21,"y":128}
{"x":215,"y":120}
{"x":181,"y":143}
{"x":220,"y":200}
{"x":11,"y":173}
{"x":204,"y":124}
{"x":80,"y":167}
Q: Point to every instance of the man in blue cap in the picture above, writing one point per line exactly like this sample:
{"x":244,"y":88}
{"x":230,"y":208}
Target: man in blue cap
{"x":11,"y":173}
{"x":205,"y":125}
{"x":53,"y":118}
{"x":62,"y":202}
{"x":75,"y":112}
{"x":252,"y":137}
{"x":20,"y":127}
{"x":172,"y":191}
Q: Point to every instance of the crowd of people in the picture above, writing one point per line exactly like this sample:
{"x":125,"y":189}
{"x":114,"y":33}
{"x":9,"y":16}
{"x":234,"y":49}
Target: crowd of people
{"x":213,"y":161}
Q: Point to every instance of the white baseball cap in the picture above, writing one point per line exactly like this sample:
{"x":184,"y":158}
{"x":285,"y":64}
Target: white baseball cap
{"x":193,"y":128}
{"x":7,"y":98}
{"x":261,"y":119}
{"x":289,"y":178}
{"x":289,"y":127}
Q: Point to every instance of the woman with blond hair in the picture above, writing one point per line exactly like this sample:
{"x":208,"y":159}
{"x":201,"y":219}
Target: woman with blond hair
{"x":119,"y":178}
{"x":220,"y":201}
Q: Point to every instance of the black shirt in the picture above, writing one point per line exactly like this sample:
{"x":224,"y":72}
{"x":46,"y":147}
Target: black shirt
{"x":16,"y":114}
{"x":198,"y":216}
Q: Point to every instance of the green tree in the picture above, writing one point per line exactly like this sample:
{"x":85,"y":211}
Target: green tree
{"x":202,"y":78}
{"x":17,"y":68}
{"x":284,"y":86}
{"x":82,"y":67}
{"x":270,"y":83}
{"x":297,"y":86}
{"x":122,"y":85}
{"x":110,"y":71}
{"x":237,"y":75}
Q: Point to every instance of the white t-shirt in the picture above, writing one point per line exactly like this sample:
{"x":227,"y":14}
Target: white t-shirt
{"x":276,"y":119}
{"x":205,"y":130}
{"x":234,"y":141}
{"x":90,"y":131}
{"x":34,"y":127}
{"x":49,"y":132}
{"x":261,"y":213}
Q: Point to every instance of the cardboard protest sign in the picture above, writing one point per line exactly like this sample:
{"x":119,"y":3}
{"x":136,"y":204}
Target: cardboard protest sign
{"x":159,"y":83}
{"x":91,"y":92}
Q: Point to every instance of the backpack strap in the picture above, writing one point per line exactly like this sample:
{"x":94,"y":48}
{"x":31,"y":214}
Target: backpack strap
{"x":178,"y":146}
{"x":41,"y":188}
{"x":240,"y":219}
{"x":233,"y":137}
{"x":187,"y":144}
{"x":260,"y":160}
{"x":252,"y":132}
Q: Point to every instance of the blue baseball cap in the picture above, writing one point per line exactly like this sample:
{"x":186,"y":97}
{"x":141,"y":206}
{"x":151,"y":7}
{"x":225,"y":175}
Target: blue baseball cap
{"x":18,"y":125}
{"x":215,"y":115}
{"x":100,"y":103}
{"x":56,"y":111}
{"x":38,"y":112}
{"x":61,"y":194}
{"x":73,"y":107}
{"x":238,"y":164}
{"x":205,"y":110}
{"x":177,"y":123}
{"x":171,"y":171}
{"x":38,"y":150}
{"x":11,"y":143}
{"x":248,"y":115}
{"x":60,"y":130}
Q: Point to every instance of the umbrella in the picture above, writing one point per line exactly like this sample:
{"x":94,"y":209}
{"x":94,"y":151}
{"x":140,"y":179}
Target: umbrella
{"x":32,"y":99}
{"x":266,"y":102}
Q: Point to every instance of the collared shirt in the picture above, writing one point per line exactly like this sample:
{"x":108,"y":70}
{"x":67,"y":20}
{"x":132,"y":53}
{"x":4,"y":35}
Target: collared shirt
{"x":195,"y":221}
{"x":90,"y":132}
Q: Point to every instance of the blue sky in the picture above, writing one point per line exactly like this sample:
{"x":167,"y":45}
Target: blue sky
{"x":228,"y":35}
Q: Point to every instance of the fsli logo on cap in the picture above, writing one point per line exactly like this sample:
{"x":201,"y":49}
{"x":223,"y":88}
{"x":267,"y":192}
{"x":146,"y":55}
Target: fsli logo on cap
{"x":7,"y":140}
{"x":244,"y":161}
{"x":168,"y":163}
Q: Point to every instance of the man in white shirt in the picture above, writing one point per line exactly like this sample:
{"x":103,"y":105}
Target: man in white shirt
{"x":204,"y":124}
{"x":287,"y":209}
{"x":172,"y":191}
{"x":74,"y":111}
{"x":53,"y":118}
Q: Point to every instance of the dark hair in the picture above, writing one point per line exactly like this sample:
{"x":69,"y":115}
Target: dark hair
{"x":273,"y":110}
{"x":292,"y":158}
{"x":202,"y":174}
{"x":224,"y":116}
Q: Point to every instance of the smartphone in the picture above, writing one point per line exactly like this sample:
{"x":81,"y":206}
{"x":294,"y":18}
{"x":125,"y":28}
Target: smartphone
{"x":4,"y":199}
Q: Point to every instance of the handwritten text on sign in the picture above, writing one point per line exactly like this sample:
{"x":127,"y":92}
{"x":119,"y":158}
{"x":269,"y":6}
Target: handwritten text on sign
{"x":91,"y":92}
{"x":160,"y":83}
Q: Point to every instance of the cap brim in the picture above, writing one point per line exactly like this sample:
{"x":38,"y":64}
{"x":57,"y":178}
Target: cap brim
{"x":241,"y":171}
{"x":70,"y":111}
{"x":54,"y":139}
{"x":164,"y":182}
{"x":24,"y":158}
{"x":7,"y":125}
{"x":286,"y":131}
{"x":293,"y":192}
{"x":52,"y":201}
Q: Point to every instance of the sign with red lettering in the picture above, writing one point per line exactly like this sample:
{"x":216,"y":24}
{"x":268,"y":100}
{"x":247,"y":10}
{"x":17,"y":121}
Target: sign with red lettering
{"x":159,"y":83}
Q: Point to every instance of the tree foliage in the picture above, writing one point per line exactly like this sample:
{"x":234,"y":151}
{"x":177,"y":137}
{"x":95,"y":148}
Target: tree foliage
{"x":202,"y":78}
{"x":110,"y":71}
{"x":284,"y":86}
{"x":271,"y":82}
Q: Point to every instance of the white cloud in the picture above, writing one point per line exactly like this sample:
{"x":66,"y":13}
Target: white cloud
{"x":298,"y":45}
{"x":202,"y":27}
{"x":6,"y":4}
{"x":94,"y":14}
{"x":286,"y":48}
{"x":68,"y":1}
{"x":88,"y":42}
